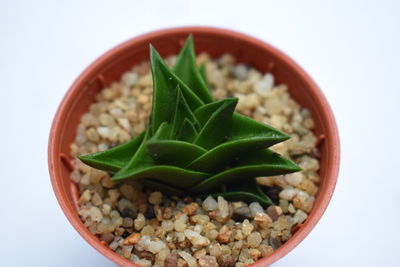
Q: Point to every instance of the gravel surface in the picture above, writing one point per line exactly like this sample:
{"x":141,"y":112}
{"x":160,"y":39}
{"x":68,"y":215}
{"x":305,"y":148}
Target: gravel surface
{"x":152,"y":229}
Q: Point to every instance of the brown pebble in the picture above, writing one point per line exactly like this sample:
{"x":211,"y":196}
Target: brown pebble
{"x":132,"y":239}
{"x":159,"y":213}
{"x":182,"y":263}
{"x":146,"y":255}
{"x":171,"y":245}
{"x":263,"y":220}
{"x":184,"y":244}
{"x":199,"y":253}
{"x":255,"y":254}
{"x":216,"y":215}
{"x":226,"y":261}
{"x":127,"y":222}
{"x":213,"y":214}
{"x":128,"y":212}
{"x":171,"y":261}
{"x":167,"y":213}
{"x":107,"y":237}
{"x":224,"y":234}
{"x":191,"y":208}
{"x":274,"y":212}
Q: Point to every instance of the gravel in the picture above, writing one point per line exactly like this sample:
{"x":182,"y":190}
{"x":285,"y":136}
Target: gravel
{"x":152,"y":229}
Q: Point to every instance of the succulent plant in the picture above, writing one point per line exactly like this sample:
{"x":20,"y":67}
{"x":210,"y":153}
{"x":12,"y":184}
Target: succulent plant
{"x":194,"y":144}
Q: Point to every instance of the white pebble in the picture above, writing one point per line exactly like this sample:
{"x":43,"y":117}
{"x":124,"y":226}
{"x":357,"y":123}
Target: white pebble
{"x":240,"y":71}
{"x":192,"y":262}
{"x":288,"y":193}
{"x":294,"y":179}
{"x":255,"y":208}
{"x":95,"y":214}
{"x":156,"y":246}
{"x":124,"y":124}
{"x":300,"y":216}
{"x":196,"y":239}
{"x":130,"y":78}
{"x":223,"y":207}
{"x":104,"y":131}
{"x":265,"y":84}
{"x":210,"y":204}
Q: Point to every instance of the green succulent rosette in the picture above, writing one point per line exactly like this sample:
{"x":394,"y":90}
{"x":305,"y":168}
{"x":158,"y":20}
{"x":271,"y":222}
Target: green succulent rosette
{"x":194,"y":144}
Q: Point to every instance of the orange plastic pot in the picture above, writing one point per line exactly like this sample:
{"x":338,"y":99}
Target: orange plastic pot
{"x":214,"y":41}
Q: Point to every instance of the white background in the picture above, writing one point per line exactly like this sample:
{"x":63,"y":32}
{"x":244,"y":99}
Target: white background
{"x":350,"y":48}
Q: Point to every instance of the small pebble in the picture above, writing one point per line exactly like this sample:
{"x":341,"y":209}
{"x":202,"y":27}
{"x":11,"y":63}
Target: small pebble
{"x":197,"y":240}
{"x":192,"y":262}
{"x":226,"y":261}
{"x":241,"y":213}
{"x":208,"y":261}
{"x":132,"y":239}
{"x":155,"y":198}
{"x":274,"y":212}
{"x":288,"y":193}
{"x":191,"y":208}
{"x":107,"y":237}
{"x":247,"y":227}
{"x":224,"y":234}
{"x":223,"y":207}
{"x":210,"y":204}
{"x":139,"y":222}
{"x":171,"y":261}
{"x":129,"y":212}
{"x":254,"y":239}
{"x":255,"y":208}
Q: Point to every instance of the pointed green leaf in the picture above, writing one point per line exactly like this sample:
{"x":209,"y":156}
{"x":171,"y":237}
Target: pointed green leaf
{"x":188,"y":132}
{"x":246,"y":135}
{"x":173,"y":152}
{"x":186,"y":69}
{"x":169,"y":175}
{"x":164,"y":91}
{"x":261,"y":163}
{"x":142,"y":166}
{"x":218,"y":126}
{"x":163,"y":132}
{"x":245,"y":127}
{"x":115,"y":158}
{"x":223,"y":154}
{"x":203,"y":73}
{"x":182,"y":111}
{"x":204,"y":112}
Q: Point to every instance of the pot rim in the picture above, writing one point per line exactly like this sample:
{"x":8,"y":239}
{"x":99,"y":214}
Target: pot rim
{"x":334,"y":153}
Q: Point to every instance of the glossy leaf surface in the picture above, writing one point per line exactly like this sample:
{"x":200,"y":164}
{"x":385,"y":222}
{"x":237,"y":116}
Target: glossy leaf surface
{"x":218,"y":126}
{"x":260,"y":163}
{"x":115,"y":158}
{"x":142,"y":166}
{"x":165,"y":83}
{"x":186,"y":69}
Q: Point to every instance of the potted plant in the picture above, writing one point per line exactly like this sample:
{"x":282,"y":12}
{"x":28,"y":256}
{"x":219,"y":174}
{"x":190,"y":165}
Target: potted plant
{"x":193,"y":145}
